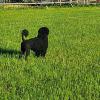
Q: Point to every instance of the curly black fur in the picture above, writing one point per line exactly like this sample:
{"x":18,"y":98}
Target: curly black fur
{"x":38,"y":44}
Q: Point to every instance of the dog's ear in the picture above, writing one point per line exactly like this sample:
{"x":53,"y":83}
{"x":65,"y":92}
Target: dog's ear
{"x":47,"y":31}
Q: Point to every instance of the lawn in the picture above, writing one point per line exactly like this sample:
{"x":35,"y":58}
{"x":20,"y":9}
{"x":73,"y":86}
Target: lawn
{"x":71,"y":68}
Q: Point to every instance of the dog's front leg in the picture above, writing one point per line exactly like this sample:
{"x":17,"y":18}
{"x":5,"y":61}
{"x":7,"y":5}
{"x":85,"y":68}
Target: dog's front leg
{"x":37,"y":53}
{"x":43,"y":53}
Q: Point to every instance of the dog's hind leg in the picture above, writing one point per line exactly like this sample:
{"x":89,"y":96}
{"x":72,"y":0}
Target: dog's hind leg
{"x":27,"y":53}
{"x":21,"y":54}
{"x":23,"y":49}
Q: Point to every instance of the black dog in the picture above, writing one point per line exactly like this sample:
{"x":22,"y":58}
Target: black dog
{"x":38,"y":44}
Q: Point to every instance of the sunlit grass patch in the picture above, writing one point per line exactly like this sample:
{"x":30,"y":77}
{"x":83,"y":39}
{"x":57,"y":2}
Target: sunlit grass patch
{"x":70,"y":70}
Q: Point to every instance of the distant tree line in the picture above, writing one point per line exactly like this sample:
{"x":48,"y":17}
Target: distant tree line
{"x":29,"y":1}
{"x":15,"y":1}
{"x":26,"y":1}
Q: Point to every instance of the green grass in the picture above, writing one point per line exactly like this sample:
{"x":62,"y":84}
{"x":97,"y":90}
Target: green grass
{"x":71,"y":68}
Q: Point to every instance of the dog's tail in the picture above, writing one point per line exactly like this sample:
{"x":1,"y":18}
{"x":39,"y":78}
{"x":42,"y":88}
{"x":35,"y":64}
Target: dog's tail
{"x":24,"y":34}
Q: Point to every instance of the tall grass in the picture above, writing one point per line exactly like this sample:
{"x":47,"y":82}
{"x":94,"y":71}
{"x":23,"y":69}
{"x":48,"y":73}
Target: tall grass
{"x":71,"y":68}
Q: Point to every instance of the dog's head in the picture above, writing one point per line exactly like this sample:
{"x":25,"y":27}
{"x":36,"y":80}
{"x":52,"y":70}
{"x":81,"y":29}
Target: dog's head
{"x":43,"y":32}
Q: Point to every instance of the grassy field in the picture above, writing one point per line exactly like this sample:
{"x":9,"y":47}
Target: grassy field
{"x":71,"y":68}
